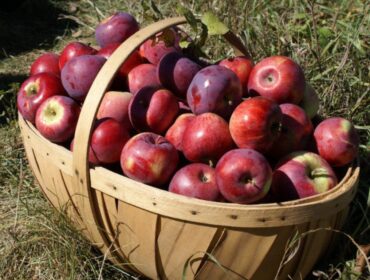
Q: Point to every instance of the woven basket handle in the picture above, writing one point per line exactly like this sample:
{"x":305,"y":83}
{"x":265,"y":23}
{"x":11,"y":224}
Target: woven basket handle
{"x":92,"y":102}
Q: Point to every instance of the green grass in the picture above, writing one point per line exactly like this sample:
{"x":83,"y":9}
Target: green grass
{"x":330,"y":39}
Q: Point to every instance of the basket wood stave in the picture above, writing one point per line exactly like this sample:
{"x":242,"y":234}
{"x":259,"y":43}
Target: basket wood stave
{"x":153,"y":232}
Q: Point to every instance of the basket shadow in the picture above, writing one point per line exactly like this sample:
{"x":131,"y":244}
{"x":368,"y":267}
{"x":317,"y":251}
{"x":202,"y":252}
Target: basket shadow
{"x":26,"y":24}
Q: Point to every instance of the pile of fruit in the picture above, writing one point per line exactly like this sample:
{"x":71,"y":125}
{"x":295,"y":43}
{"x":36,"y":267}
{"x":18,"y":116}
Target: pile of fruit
{"x":233,"y":131}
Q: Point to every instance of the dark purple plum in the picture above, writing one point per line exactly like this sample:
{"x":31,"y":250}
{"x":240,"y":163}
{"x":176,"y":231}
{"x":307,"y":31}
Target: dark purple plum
{"x":115,"y":29}
{"x":153,"y":109}
{"x":79,"y":73}
{"x":214,"y":89}
{"x":162,"y":43}
{"x":141,"y":76}
{"x":176,"y":72}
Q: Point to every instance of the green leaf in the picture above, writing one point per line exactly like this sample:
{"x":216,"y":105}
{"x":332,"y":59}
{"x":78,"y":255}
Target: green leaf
{"x":184,"y":44}
{"x":167,"y":36}
{"x":190,"y":18}
{"x":214,"y":25}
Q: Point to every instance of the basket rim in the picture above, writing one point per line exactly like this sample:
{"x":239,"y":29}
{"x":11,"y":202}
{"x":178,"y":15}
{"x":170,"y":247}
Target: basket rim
{"x":160,"y":201}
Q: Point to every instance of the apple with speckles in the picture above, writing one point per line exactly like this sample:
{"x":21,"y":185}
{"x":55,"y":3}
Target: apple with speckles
{"x":337,"y":141}
{"x":278,"y":78}
{"x":175,"y":133}
{"x":115,"y":29}
{"x":214,"y":89}
{"x":206,"y":138}
{"x":256,"y":124}
{"x":56,"y":118}
{"x":143,"y":75}
{"x":302,"y":174}
{"x":47,"y":62}
{"x":149,"y":158}
{"x":35,"y":90}
{"x":243,"y":176}
{"x":242,"y":67}
{"x":196,"y":180}
{"x":72,"y":50}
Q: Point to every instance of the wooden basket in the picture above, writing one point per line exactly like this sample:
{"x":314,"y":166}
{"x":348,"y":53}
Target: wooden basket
{"x":156,"y":233}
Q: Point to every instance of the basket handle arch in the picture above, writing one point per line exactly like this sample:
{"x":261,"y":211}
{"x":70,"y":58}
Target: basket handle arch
{"x":85,"y":200}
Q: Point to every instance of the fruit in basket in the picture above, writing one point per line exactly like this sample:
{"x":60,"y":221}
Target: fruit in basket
{"x":206,"y":138}
{"x":47,"y":62}
{"x":153,"y":109}
{"x":176,"y":72}
{"x":131,"y":62}
{"x":115,"y":105}
{"x":296,"y":129}
{"x":337,"y":141}
{"x":302,"y":174}
{"x":115,"y":29}
{"x":310,"y":101}
{"x":35,"y":90}
{"x":196,"y":180}
{"x":91,"y":155}
{"x":161,"y":44}
{"x":79,"y":73}
{"x":242,"y":67}
{"x":143,"y":75}
{"x":243,"y":176}
{"x":256,"y":124}
{"x":149,"y":158}
{"x":56,"y":118}
{"x":175,"y":133}
{"x":107,"y":140}
{"x":214,"y":89}
{"x":278,"y":78}
{"x":72,"y":50}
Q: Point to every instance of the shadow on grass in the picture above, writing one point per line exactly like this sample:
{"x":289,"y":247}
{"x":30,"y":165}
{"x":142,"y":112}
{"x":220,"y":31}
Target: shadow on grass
{"x":29,"y":24}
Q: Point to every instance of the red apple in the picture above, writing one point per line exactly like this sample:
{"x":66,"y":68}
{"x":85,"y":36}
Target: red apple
{"x":108,"y":139}
{"x":149,"y":158}
{"x":337,"y":141}
{"x":72,"y":50}
{"x":278,"y":78}
{"x":143,"y":75}
{"x":206,"y":138}
{"x":163,"y":43}
{"x":132,"y":61}
{"x":310,"y":102}
{"x":242,"y":67}
{"x":35,"y":90}
{"x":302,"y":174}
{"x":175,"y":72}
{"x":79,"y":73}
{"x":296,"y":129}
{"x":243,"y":176}
{"x":256,"y":123}
{"x":47,"y":62}
{"x":196,"y":180}
{"x":56,"y":118}
{"x":115,"y":105}
{"x":214,"y":89}
{"x":175,"y":133}
{"x":115,"y":29}
{"x":153,"y":109}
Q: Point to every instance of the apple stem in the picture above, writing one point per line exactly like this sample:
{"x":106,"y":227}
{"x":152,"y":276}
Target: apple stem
{"x":210,"y":163}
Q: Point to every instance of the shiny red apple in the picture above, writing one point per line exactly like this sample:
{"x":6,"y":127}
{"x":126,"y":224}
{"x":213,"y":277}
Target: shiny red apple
{"x":256,"y":124}
{"x":175,"y":133}
{"x":35,"y":90}
{"x":278,"y":78}
{"x":206,"y":138}
{"x":47,"y":62}
{"x":56,"y":118}
{"x":243,"y":176}
{"x":302,"y":174}
{"x":149,"y":158}
{"x":196,"y":180}
{"x":337,"y":141}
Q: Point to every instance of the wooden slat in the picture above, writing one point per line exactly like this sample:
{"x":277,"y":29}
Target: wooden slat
{"x":178,"y":242}
{"x":137,"y":238}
